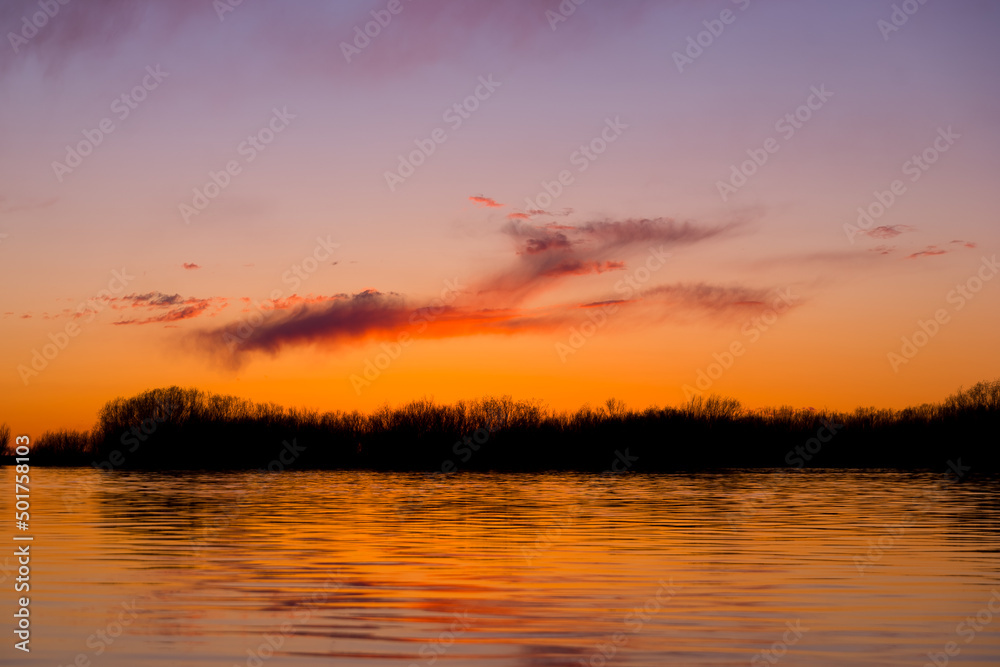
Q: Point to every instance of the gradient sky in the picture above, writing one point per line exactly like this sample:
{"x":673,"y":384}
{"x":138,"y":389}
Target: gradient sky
{"x":519,"y":278}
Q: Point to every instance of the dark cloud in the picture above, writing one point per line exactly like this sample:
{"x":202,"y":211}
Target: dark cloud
{"x":344,"y":320}
{"x":337,"y":319}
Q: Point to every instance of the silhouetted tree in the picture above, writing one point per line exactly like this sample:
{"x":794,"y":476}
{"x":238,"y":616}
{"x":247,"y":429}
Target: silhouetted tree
{"x":187,"y":428}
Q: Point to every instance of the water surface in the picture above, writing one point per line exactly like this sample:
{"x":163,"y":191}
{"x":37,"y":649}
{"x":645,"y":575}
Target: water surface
{"x":354,"y":568}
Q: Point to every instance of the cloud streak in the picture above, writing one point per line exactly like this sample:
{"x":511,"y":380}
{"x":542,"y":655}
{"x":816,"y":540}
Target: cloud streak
{"x":930,"y":251}
{"x":543,"y":256}
{"x":177,"y":308}
{"x":485,"y":202}
{"x":888,"y":231}
{"x":546,"y":254}
{"x":372,"y":315}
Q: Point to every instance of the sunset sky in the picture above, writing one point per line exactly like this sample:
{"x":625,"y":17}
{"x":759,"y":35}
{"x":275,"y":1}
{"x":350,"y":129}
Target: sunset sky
{"x":564,"y":202}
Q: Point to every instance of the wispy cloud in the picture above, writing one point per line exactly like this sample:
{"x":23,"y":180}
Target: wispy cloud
{"x":717,"y":301}
{"x":537,"y":212}
{"x":550,"y":252}
{"x":336,"y":319}
{"x":293,"y":301}
{"x":190,"y":265}
{"x":606,"y":302}
{"x":930,"y":251}
{"x":372,"y":315}
{"x":609,"y":234}
{"x":178,"y":308}
{"x":933,"y":250}
{"x":174,"y":315}
{"x":889,"y":231}
{"x":303,"y":34}
{"x":544,"y":256}
{"x":485,"y":202}
{"x":151,"y":300}
{"x":575,"y":267}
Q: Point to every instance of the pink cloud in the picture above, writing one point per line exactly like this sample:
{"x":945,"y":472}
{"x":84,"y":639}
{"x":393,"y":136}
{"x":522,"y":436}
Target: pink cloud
{"x":345,"y":320}
{"x":889,"y":231}
{"x":296,"y":300}
{"x":931,"y":251}
{"x":485,"y":202}
{"x":562,"y":213}
{"x":544,"y":256}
